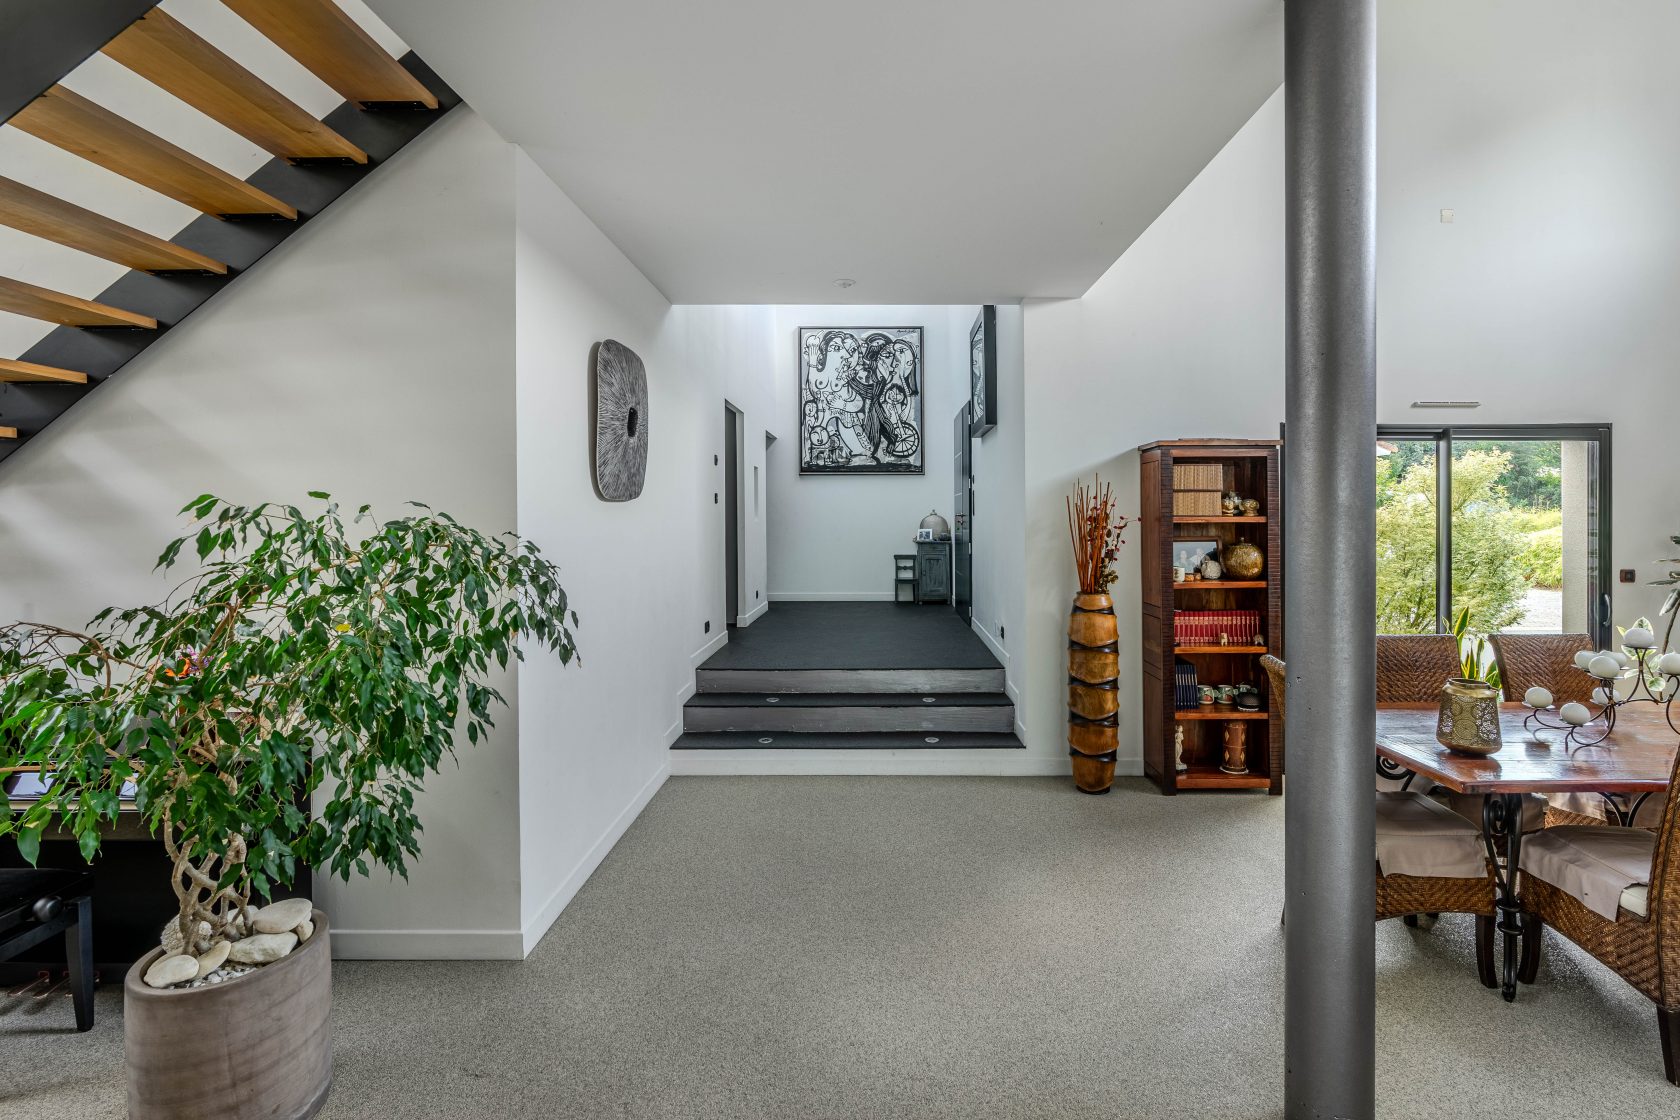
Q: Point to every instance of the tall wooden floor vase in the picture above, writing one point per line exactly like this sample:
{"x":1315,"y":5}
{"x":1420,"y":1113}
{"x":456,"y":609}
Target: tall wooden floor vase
{"x":1093,"y":692}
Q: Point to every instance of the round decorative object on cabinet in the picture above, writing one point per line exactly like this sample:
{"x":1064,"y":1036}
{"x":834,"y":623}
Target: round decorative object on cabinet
{"x":941,"y":528}
{"x":1244,"y":560}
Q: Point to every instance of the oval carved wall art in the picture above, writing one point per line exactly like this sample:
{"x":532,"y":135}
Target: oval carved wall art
{"x":619,"y":436}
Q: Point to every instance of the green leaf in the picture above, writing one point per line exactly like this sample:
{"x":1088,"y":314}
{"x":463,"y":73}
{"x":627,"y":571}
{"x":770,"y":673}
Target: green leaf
{"x":29,"y":843}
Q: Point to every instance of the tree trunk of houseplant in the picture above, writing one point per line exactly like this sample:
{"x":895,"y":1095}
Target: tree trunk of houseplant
{"x":1093,"y":692}
{"x":256,"y":1046}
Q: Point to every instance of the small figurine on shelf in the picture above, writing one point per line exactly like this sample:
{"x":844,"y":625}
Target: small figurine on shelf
{"x":1178,"y":750}
{"x":1224,"y":639}
{"x":1230,"y":504}
{"x":1251,"y":507}
{"x":1211,"y":569}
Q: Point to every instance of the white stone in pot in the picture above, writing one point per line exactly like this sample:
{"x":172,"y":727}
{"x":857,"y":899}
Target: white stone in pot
{"x":176,"y":968}
{"x":172,"y":943}
{"x":213,"y":959}
{"x":263,"y":948}
{"x":282,"y":916}
{"x":305,"y":930}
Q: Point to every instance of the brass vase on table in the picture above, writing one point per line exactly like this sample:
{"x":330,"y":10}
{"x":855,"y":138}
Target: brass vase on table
{"x":1093,"y":692}
{"x":1469,"y":719}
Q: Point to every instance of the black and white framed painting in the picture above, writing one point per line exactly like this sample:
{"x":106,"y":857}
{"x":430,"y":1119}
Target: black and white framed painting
{"x":860,"y":400}
{"x":982,"y":364}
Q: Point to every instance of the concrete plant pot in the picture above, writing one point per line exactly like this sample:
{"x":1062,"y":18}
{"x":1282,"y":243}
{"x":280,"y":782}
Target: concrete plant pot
{"x":257,"y":1047}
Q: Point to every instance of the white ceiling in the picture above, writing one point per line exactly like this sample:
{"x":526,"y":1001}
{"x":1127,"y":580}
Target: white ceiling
{"x":753,"y":151}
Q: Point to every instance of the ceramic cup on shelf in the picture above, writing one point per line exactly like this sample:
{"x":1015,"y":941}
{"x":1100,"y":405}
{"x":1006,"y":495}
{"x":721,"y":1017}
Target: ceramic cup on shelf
{"x":1207,"y":693}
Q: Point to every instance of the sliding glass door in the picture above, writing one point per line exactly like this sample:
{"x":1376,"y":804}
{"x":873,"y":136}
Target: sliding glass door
{"x":1511,"y":523}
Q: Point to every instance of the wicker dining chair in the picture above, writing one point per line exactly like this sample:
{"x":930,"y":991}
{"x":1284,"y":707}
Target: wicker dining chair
{"x":1406,"y":896}
{"x":1641,"y":948}
{"x":1542,"y":660}
{"x":1411,"y":668}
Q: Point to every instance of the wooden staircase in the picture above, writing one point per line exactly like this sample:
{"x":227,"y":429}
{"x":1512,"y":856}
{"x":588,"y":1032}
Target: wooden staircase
{"x":388,"y":102}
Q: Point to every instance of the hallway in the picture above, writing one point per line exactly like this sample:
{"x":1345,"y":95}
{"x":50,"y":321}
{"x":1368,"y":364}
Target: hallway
{"x":827,"y":948}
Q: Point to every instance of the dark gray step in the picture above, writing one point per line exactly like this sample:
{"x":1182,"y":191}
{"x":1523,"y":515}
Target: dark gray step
{"x":919,"y":681}
{"x":861,"y":741}
{"x":849,"y":712}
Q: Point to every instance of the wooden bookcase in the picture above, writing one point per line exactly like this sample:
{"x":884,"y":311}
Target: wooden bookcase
{"x":1249,"y":467}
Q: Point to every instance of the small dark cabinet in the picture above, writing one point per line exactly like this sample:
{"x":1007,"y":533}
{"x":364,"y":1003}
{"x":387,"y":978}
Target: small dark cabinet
{"x":933,"y":571}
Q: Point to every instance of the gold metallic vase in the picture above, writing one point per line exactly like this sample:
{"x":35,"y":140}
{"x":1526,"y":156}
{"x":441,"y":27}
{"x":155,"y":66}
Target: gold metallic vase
{"x":1469,"y":721}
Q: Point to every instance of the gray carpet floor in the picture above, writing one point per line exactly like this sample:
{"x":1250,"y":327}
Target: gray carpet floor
{"x":835,"y":948}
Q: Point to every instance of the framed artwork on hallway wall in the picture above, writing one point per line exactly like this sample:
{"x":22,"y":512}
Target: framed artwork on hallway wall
{"x":860,"y":400}
{"x":982,"y":364}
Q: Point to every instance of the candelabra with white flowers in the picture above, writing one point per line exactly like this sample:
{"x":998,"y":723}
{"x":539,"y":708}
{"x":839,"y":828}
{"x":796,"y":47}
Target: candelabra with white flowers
{"x":1635,"y":674}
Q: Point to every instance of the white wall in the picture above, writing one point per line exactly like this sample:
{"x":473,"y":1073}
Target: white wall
{"x":1000,"y":540}
{"x":361,"y":358}
{"x":834,"y":536}
{"x":1183,"y":337}
{"x":1549,"y":297}
{"x":1549,"y":130}
{"x":646,"y":576}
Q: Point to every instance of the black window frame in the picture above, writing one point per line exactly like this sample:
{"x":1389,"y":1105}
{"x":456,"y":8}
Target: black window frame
{"x":1599,"y":508}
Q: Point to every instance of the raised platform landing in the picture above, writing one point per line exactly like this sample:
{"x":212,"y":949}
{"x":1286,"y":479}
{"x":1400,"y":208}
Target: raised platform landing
{"x":874,"y":676}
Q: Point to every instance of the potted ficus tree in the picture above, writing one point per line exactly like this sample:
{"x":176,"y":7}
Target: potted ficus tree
{"x":307,"y":663}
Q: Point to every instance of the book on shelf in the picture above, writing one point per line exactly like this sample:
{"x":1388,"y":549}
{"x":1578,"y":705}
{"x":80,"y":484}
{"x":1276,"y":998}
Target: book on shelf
{"x":1186,"y":686}
{"x":1215,"y":628}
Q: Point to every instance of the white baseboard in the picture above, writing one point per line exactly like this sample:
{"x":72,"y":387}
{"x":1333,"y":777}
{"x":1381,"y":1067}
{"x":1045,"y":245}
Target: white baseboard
{"x":717,"y":642}
{"x":992,"y":644}
{"x":568,"y":888}
{"x":493,"y":944}
{"x":748,"y":618}
{"x":427,"y":944}
{"x":831,"y":596}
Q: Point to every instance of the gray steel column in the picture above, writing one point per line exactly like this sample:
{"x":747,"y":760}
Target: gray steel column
{"x":1330,"y":557}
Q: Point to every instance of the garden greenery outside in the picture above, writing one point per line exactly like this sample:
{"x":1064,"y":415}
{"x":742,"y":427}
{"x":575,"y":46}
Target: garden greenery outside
{"x":1507,"y":523}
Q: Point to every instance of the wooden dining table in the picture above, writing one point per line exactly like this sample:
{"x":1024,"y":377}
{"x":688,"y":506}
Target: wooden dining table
{"x":1623,"y":766}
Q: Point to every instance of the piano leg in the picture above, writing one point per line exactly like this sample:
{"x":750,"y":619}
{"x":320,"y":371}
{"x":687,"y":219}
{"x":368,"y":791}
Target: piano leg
{"x":78,"y":952}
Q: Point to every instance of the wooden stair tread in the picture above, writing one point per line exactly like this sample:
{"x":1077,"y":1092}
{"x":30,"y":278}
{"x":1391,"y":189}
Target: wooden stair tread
{"x":334,"y":48}
{"x":857,"y":740}
{"x":36,"y":212}
{"x":8,"y":433}
{"x":67,"y":120}
{"x":65,"y":310}
{"x":14,"y":371}
{"x":172,"y":57}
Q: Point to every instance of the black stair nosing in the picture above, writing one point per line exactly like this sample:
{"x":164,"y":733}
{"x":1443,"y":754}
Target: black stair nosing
{"x":941,"y":700}
{"x":840,"y":740}
{"x":32,"y":407}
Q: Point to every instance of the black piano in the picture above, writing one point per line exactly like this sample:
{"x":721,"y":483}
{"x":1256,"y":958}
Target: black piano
{"x":37,"y":906}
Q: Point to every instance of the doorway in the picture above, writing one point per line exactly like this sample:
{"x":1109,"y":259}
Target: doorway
{"x":1510,"y":523}
{"x":962,"y":524}
{"x":731,"y":515}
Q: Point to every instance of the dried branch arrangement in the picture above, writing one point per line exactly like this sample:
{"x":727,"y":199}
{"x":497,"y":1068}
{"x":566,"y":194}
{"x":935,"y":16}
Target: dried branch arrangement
{"x":1097,"y":531}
